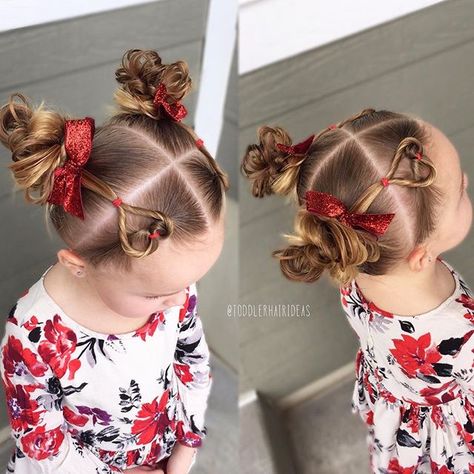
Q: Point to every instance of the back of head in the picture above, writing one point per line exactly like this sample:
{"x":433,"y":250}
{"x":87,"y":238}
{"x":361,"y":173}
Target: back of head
{"x":373,"y":163}
{"x":143,"y":154}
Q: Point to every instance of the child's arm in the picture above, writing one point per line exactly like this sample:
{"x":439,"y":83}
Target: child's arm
{"x":193,"y":374}
{"x":34,"y":400}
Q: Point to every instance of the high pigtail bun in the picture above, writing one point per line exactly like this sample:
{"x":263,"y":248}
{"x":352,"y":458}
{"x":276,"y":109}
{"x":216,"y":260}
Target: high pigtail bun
{"x":325,"y":244}
{"x":141,"y":74}
{"x":35,"y":138}
{"x":271,"y":169}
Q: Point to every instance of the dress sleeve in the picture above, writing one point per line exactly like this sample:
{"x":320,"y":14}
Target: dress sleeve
{"x":34,"y":400}
{"x":191,"y":365}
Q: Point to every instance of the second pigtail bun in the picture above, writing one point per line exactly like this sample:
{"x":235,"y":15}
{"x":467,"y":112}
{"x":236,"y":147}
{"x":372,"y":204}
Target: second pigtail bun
{"x":34,"y":135}
{"x":325,"y":244}
{"x":271,"y":169}
{"x":142,"y":76}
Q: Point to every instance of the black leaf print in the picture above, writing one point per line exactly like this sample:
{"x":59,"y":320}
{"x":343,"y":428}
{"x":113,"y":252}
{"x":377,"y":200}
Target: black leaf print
{"x":428,"y":378}
{"x":87,"y":437}
{"x":468,"y":426}
{"x":407,"y":326}
{"x":11,"y":313}
{"x":35,"y":334}
{"x":130,"y":398}
{"x":443,"y":370}
{"x":450,"y":346}
{"x":70,"y":389}
{"x":108,"y":434}
{"x":77,"y":447}
{"x":405,"y":439}
{"x":183,"y":349}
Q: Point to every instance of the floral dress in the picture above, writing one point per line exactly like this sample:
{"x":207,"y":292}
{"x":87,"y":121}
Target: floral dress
{"x":415,"y":383}
{"x":80,"y":401}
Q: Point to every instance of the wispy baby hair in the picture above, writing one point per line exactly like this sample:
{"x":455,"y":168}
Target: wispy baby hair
{"x":148,"y":174}
{"x":373,"y":162}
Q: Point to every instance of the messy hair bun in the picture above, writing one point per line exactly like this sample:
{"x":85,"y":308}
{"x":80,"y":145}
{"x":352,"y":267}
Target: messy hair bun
{"x":140,"y":74}
{"x":271,"y":170}
{"x":35,"y":137}
{"x":325,"y":244}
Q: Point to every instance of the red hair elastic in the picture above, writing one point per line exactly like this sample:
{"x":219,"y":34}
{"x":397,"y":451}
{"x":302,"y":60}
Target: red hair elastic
{"x":154,"y":235}
{"x":117,"y":202}
{"x":332,"y":126}
{"x":199,"y":143}
{"x":418,"y":156}
{"x":385,"y":182}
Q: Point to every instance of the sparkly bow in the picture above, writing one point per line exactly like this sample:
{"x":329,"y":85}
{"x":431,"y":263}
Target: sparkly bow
{"x":329,"y":206}
{"x":297,"y":149}
{"x":175,"y":109}
{"x":66,"y":190}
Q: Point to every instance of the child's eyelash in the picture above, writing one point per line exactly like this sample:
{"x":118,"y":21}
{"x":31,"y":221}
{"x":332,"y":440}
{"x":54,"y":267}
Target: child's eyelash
{"x":152,"y":297}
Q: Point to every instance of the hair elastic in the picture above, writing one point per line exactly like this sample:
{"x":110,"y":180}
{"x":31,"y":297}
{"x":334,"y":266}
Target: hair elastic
{"x":385,"y":182}
{"x":154,"y":235}
{"x":117,"y":202}
{"x":199,"y":143}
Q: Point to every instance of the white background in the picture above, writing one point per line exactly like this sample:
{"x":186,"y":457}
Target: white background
{"x":271,"y":30}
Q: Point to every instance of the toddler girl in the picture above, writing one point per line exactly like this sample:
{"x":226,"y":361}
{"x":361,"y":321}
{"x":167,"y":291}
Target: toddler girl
{"x":381,"y":196}
{"x":104,"y":362}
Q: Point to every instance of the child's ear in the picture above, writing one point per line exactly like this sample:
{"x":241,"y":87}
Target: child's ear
{"x":419,"y":258}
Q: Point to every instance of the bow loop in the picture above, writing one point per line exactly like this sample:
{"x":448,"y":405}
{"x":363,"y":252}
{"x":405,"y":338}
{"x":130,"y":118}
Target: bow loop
{"x":328,"y":205}
{"x":297,"y":149}
{"x":174,"y":109}
{"x":66,"y":191}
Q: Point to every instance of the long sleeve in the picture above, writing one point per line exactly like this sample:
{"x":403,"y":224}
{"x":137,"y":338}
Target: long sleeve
{"x":34,"y":399}
{"x":193,"y":373}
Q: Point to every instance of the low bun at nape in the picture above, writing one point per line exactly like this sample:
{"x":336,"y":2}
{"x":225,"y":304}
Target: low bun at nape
{"x":269,"y":165}
{"x":320,"y":244}
{"x":35,"y":136}
{"x":143,"y":76}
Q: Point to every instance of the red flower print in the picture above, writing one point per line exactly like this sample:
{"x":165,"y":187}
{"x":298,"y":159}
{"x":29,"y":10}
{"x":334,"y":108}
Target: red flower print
{"x":150,"y":327}
{"x":58,"y":347}
{"x":184,"y":309}
{"x":437,"y":469}
{"x":182,"y":371}
{"x":21,"y":408}
{"x":31,"y":323}
{"x":415,"y":355}
{"x":74,"y":418}
{"x":152,"y":419}
{"x":40,"y":444}
{"x":188,"y":438}
{"x":18,"y":360}
{"x":437,"y":416}
{"x":395,"y":468}
{"x":466,"y":301}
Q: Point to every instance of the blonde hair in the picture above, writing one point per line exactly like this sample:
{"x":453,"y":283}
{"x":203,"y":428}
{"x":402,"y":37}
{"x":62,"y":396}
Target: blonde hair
{"x":168,"y":183}
{"x":349,"y":161}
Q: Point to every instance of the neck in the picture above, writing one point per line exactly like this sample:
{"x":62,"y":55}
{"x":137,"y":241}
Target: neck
{"x":404,"y":277}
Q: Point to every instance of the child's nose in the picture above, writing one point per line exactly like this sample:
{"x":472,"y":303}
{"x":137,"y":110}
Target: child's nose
{"x":175,"y":300}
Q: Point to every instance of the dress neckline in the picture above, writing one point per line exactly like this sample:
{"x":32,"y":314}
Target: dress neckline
{"x":372,"y":306}
{"x":79,"y":327}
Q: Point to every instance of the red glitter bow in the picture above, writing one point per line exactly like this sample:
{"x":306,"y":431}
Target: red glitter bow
{"x":297,"y":149}
{"x":328,"y":205}
{"x":174,"y":109}
{"x":66,"y":190}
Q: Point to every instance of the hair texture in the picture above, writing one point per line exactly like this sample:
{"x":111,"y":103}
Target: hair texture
{"x":348,"y":161}
{"x":140,"y":154}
